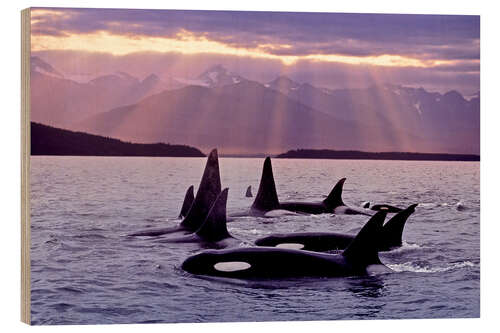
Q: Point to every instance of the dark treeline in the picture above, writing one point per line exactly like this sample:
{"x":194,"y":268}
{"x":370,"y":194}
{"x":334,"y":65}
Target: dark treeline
{"x":47,"y":140}
{"x":361,"y":155}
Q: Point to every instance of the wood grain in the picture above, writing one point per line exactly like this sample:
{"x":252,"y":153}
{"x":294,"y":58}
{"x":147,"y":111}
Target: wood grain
{"x":25,"y":166}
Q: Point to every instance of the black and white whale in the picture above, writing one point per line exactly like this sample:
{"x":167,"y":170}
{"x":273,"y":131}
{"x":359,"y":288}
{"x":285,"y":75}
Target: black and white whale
{"x":384,"y":207}
{"x":209,"y":189}
{"x":359,"y":258}
{"x":267,"y":199}
{"x":213,"y":232}
{"x":391,"y":237}
{"x":187,"y":203}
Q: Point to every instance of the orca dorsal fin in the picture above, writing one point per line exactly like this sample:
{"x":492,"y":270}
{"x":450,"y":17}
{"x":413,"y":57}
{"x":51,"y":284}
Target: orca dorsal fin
{"x":334,"y":199}
{"x":188,"y":201}
{"x":267,"y":198}
{"x":214,"y":228}
{"x":248,"y":194}
{"x":209,"y":189}
{"x":392,"y":231}
{"x":363,"y":250}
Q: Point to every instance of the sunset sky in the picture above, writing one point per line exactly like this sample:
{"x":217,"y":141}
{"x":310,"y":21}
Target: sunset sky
{"x":436,"y":52}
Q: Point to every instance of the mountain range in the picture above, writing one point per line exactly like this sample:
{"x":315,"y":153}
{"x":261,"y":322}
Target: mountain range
{"x":221,"y":109}
{"x":61,"y":101}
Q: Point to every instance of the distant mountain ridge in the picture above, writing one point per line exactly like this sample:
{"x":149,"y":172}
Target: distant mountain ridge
{"x":447,"y":118}
{"x":60,"y":101}
{"x":221,"y":108}
{"x":244,"y":117}
{"x":40,"y":66}
{"x":361,"y":155}
{"x":47,"y":140}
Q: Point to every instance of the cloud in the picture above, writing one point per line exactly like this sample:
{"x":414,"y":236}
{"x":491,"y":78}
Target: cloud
{"x":439,"y":52}
{"x":443,"y":37}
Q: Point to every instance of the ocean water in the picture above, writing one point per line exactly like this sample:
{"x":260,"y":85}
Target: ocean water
{"x":85,"y":271}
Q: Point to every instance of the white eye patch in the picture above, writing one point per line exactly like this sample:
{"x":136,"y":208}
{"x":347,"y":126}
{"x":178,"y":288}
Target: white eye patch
{"x":292,"y":246}
{"x":232,"y":266}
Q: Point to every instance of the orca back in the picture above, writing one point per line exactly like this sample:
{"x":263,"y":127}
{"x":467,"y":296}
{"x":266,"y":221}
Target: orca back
{"x":387,"y":208}
{"x":214,"y":227}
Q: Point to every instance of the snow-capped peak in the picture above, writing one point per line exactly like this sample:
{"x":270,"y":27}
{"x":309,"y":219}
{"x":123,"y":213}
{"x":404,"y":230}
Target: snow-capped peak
{"x":40,"y":66}
{"x":152,"y":78}
{"x":284,"y":84}
{"x":218,"y":76}
{"x":124,"y":75}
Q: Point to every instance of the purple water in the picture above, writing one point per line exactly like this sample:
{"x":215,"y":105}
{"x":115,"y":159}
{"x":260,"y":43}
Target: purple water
{"x":85,"y":271}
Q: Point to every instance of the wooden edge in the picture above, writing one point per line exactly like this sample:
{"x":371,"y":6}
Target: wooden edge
{"x":25,"y":167}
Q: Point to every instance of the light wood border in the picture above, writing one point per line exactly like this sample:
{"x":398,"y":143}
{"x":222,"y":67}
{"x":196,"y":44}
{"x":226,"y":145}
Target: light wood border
{"x":25,"y":167}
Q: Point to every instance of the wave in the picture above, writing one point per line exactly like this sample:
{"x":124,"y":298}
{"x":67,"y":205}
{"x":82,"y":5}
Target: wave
{"x":52,"y":240}
{"x":460,"y":206}
{"x":71,"y":290}
{"x":158,"y":219}
{"x":428,"y":205}
{"x":91,"y":236}
{"x":408,"y":246}
{"x":418,"y":268}
{"x":253,"y":231}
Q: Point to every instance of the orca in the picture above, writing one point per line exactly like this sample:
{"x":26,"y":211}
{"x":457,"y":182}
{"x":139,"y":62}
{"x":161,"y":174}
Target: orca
{"x":390,"y":238}
{"x":248,"y":194}
{"x":188,"y":202}
{"x":213,"y":232}
{"x":460,"y":206}
{"x":359,"y":258}
{"x":384,"y":207}
{"x":267,"y":199}
{"x":209,"y":189}
{"x":393,"y":230}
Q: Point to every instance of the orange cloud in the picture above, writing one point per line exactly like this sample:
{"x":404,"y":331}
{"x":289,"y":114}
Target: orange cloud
{"x":186,"y":42}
